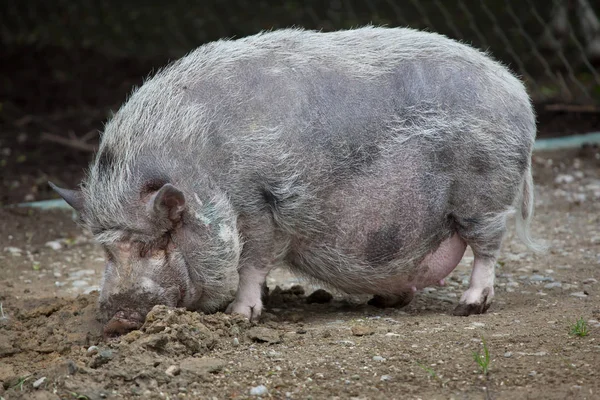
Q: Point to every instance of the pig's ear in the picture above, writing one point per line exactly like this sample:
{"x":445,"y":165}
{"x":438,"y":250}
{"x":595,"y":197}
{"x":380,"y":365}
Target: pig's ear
{"x":74,"y":198}
{"x":168,"y":202}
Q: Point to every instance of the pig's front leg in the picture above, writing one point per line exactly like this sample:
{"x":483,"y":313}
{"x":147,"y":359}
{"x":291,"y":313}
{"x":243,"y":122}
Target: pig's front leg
{"x":255,"y":264}
{"x":478,"y":298}
{"x":248,"y":299}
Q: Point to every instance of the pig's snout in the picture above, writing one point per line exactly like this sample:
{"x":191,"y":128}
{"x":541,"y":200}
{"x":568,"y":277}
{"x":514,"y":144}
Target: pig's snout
{"x":123,"y":322}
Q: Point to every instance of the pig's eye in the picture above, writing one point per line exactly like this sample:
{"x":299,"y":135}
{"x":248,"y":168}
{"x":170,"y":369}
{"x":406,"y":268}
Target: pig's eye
{"x":145,"y":248}
{"x":163,"y":242}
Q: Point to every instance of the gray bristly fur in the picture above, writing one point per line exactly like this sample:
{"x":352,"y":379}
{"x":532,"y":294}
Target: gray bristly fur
{"x":367,"y":148}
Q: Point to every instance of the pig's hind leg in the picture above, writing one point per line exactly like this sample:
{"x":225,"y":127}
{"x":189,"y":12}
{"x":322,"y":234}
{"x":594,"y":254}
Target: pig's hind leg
{"x":484,"y":236}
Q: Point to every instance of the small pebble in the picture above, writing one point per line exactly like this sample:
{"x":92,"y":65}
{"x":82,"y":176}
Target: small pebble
{"x":54,"y":245}
{"x":378,"y":358}
{"x":533,"y":373}
{"x":540,"y":278}
{"x":385,"y":378}
{"x":102,"y":358}
{"x":173,"y":370}
{"x":273,"y":353}
{"x":80,"y":273}
{"x":259,"y":390}
{"x":589,"y":281}
{"x":392,"y":334}
{"x":579,"y":198}
{"x":563,"y":178}
{"x":508,"y":354}
{"x":579,"y":294}
{"x":80,"y":283}
{"x":361,"y":330}
{"x":92,"y":350}
{"x":236,"y":342}
{"x":552,"y":285}
{"x":39,"y":382}
{"x":15,"y":251}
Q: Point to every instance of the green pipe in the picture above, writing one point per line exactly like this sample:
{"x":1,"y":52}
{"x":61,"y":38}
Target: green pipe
{"x":566,"y":142}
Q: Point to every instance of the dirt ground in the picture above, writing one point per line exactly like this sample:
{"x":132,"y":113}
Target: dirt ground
{"x":51,"y":346}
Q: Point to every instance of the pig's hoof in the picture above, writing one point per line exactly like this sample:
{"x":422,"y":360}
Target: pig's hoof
{"x":250,"y":312}
{"x":473,"y":302}
{"x":464,"y":310}
{"x":399,"y":301}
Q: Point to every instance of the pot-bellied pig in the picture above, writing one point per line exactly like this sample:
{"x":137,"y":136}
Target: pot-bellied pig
{"x":367,"y":159}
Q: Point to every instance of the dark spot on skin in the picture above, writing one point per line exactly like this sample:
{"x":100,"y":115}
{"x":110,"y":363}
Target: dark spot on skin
{"x":480,"y":164}
{"x":522,"y":164}
{"x":445,"y":157}
{"x":470,"y":221}
{"x":276,"y":195}
{"x":270,"y":198}
{"x":383,"y":245}
{"x":523,"y":157}
{"x":359,"y":157}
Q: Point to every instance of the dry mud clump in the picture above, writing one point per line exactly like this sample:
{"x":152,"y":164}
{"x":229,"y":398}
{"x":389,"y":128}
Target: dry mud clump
{"x":56,"y":350}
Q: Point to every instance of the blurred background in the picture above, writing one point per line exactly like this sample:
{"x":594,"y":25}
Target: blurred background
{"x":66,"y":65}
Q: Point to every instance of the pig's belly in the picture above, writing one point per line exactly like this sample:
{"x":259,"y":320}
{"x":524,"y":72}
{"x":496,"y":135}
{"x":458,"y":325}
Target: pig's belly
{"x":433,"y":268}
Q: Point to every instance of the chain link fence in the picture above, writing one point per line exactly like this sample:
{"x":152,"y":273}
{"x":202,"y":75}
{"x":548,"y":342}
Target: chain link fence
{"x":554,"y":45}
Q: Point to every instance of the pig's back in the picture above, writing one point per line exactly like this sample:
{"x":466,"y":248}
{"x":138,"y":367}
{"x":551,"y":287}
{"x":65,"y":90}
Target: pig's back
{"x":318,"y":106}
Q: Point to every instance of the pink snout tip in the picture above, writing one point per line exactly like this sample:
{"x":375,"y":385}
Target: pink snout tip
{"x":122,"y":322}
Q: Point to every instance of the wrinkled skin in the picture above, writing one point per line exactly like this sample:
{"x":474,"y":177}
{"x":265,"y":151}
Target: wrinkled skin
{"x":367,"y":159}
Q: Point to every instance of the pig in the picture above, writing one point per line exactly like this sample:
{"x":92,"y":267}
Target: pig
{"x":366,"y":159}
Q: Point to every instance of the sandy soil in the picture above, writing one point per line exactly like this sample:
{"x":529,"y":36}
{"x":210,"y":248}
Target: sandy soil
{"x":51,"y":347}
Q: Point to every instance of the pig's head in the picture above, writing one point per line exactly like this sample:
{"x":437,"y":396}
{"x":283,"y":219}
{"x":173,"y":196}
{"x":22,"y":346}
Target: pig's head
{"x":162,"y":247}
